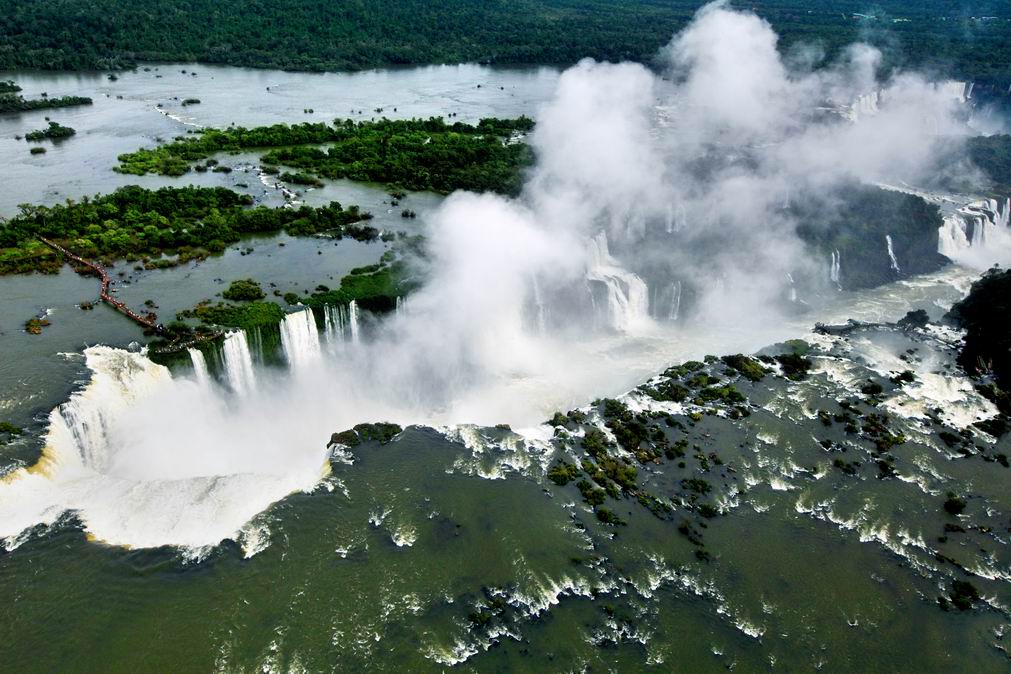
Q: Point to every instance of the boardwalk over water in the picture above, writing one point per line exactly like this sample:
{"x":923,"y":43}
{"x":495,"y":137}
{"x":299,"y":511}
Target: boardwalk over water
{"x":148,"y":321}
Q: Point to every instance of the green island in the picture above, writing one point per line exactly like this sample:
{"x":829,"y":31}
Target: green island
{"x":55,"y":131}
{"x":375,"y":287}
{"x":183,"y":223}
{"x":416,"y":154}
{"x":9,"y":87}
{"x":12,"y":102}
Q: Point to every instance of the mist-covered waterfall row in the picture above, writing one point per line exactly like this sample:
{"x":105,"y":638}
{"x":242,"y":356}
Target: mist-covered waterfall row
{"x":200,"y":370}
{"x":300,"y":338}
{"x":341,"y":322}
{"x":626,"y":296}
{"x":975,"y":232}
{"x":133,"y":482}
{"x":353,"y":323}
{"x":238,"y":363}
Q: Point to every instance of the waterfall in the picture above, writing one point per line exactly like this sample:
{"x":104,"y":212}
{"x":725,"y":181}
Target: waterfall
{"x":627,"y":294}
{"x":238,"y":363}
{"x":200,"y":367}
{"x":336,"y":322}
{"x":340,"y":322}
{"x":353,"y":320}
{"x":793,"y":287}
{"x":144,"y":460}
{"x":977,"y":233}
{"x":952,"y":237}
{"x":834,"y":272}
{"x":675,"y":301}
{"x":539,"y":303}
{"x":300,"y":338}
{"x":891,"y":253}
{"x":398,"y":307}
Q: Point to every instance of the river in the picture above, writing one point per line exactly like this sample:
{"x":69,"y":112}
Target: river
{"x":219,"y":532}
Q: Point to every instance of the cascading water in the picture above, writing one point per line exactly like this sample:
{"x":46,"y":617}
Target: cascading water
{"x":238,"y":363}
{"x":675,"y":301}
{"x":891,"y":253}
{"x":200,"y":367}
{"x":977,"y":234}
{"x":146,"y":460}
{"x":353,"y":321}
{"x":300,"y":338}
{"x":835,"y":269}
{"x":627,"y":294}
{"x":334,"y":323}
{"x":539,"y":305}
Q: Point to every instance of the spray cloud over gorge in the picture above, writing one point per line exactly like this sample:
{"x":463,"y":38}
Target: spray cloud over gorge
{"x":656,"y":225}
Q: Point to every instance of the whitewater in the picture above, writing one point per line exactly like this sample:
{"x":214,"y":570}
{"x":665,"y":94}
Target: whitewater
{"x":529,"y":307}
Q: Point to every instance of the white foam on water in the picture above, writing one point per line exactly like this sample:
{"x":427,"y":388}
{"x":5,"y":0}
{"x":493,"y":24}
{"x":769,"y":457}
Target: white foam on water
{"x":131,"y":484}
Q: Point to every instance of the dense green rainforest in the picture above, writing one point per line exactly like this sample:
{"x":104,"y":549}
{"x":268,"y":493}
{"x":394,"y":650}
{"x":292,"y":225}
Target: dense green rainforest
{"x":417,"y":154}
{"x":969,"y":41}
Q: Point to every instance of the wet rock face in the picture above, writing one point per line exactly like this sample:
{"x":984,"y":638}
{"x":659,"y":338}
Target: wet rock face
{"x":382,"y":433}
{"x":984,"y":316}
{"x":875,"y":236}
{"x":986,"y":353}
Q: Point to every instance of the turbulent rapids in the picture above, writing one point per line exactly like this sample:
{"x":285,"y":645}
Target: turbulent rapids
{"x":721,"y":385}
{"x":635,"y":244}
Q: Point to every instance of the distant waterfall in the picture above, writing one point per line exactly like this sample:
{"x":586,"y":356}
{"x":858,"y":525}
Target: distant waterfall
{"x":834,"y":271}
{"x":353,"y":320}
{"x":334,"y":322}
{"x":675,"y":301}
{"x":539,"y":305}
{"x":677,"y":218}
{"x":975,"y":230}
{"x":627,"y":294}
{"x":200,"y":367}
{"x":341,"y":322}
{"x":300,"y":338}
{"x":793,"y":287}
{"x":891,"y":253}
{"x":399,"y":306}
{"x":238,"y":363}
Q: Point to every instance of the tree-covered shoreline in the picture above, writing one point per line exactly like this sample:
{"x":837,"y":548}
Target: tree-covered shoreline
{"x":935,"y":35}
{"x":184,"y":223}
{"x":418,"y":154}
{"x":11,"y":102}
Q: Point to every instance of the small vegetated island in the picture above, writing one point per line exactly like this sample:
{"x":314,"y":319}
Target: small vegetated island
{"x":12,"y":101}
{"x":160,"y":227}
{"x":417,"y":155}
{"x":55,"y":131}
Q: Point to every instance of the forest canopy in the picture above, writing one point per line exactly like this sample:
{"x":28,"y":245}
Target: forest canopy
{"x":132,"y":223}
{"x":417,"y":154}
{"x":357,"y":34}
